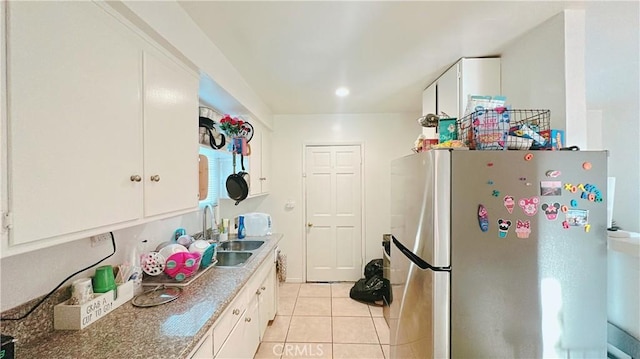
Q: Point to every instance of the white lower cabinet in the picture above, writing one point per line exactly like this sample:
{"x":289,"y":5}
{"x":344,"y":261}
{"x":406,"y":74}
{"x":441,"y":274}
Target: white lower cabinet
{"x":238,"y":331}
{"x":267,"y":300}
{"x":244,"y":338}
{"x":204,"y":349}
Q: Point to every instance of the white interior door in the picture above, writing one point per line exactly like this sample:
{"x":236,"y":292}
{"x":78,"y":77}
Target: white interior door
{"x":334,"y":213}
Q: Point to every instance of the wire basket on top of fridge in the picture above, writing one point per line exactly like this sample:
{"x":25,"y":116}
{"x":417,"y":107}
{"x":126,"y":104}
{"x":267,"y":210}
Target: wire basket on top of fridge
{"x":503,"y":128}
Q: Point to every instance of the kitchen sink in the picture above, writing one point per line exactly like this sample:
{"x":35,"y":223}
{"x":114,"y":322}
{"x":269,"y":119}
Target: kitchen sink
{"x":232,"y":259}
{"x":240,"y":245}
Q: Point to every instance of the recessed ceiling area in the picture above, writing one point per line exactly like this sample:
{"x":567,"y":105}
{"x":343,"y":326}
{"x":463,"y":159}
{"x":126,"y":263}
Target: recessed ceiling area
{"x":294,"y":54}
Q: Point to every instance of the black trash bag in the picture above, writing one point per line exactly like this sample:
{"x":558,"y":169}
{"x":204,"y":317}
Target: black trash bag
{"x":370,"y":290}
{"x":373,"y":269}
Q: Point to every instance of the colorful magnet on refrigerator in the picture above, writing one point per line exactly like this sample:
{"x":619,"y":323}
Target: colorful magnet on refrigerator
{"x":551,"y":210}
{"x":553,"y":173}
{"x":550,"y":188}
{"x":509,"y":203}
{"x":574,"y":203}
{"x":565,"y":224}
{"x":587,"y":228}
{"x":577,"y":217}
{"x":586,"y":166}
{"x":495,"y":193}
{"x":529,"y":205}
{"x":503,"y":227}
{"x":528,"y":157}
{"x":483,"y":218}
{"x":523,"y":228}
{"x":564,"y":208}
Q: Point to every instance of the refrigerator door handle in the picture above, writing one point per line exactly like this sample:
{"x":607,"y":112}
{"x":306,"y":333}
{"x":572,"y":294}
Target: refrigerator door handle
{"x":417,"y":260}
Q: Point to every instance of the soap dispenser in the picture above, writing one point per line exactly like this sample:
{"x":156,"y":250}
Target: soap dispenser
{"x":241,"y":229}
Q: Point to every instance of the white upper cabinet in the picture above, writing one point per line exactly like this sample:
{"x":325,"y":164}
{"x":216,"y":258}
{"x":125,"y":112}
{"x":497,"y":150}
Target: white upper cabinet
{"x":74,"y":109}
{"x":429,"y":100}
{"x":89,"y":123}
{"x":468,"y":76}
{"x":170,"y":137}
{"x":259,"y":163}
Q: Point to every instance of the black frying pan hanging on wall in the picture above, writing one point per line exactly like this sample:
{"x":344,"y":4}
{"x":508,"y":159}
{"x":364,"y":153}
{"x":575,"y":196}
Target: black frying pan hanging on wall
{"x":238,"y":183}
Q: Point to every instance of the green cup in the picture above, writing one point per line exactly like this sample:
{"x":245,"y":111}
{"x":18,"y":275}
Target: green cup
{"x":104,"y":280}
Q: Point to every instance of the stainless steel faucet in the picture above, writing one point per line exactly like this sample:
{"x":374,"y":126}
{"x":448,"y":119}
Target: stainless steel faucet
{"x":204,"y":221}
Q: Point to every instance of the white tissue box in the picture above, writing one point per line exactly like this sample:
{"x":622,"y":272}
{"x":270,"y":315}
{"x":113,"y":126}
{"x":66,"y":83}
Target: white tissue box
{"x":75,"y":317}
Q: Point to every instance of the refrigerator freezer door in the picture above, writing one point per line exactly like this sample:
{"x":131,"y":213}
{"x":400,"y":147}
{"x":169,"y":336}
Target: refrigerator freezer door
{"x":536,"y":288}
{"x":420,"y":217}
{"x":420,"y":205}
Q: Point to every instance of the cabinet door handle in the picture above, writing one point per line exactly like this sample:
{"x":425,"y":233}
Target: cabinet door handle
{"x":309,"y":224}
{"x":258,"y":292}
{"x":236,"y":311}
{"x":247,"y":319}
{"x":263,"y":288}
{"x":155,"y":178}
{"x":135,"y":178}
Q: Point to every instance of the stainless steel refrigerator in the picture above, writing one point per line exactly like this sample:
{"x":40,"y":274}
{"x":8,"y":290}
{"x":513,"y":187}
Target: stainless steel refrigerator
{"x":499,"y":254}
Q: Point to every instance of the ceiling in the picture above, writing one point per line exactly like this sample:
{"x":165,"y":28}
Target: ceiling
{"x":294,"y":54}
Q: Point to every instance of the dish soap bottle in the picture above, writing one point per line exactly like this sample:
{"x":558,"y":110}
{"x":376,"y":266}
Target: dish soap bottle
{"x":241,"y":229}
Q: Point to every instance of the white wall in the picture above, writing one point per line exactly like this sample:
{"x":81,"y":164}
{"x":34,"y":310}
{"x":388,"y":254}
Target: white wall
{"x":544,"y":69}
{"x":613,"y":87}
{"x":613,"y":98}
{"x":384,"y":136}
{"x":583,"y":66}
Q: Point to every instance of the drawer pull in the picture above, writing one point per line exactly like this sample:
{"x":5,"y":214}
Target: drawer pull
{"x":258,"y":292}
{"x":247,"y":319}
{"x":263,"y":288}
{"x":236,"y":311}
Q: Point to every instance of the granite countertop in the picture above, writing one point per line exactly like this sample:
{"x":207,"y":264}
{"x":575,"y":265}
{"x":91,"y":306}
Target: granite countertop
{"x":171,"y":330}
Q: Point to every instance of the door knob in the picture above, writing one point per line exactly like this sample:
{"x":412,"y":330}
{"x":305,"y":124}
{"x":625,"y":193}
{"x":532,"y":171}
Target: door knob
{"x":309,"y":224}
{"x":135,"y":178}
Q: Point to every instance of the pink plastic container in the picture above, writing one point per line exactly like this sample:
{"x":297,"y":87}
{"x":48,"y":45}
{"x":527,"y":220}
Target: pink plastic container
{"x":182,"y":265}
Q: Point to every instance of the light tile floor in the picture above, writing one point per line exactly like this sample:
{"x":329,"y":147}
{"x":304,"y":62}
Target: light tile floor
{"x":321,"y":321}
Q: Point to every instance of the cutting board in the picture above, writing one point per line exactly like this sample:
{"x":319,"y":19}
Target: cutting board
{"x":203,"y":177}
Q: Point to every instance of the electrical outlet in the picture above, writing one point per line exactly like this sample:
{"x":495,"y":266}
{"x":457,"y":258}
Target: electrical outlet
{"x":100,"y":239}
